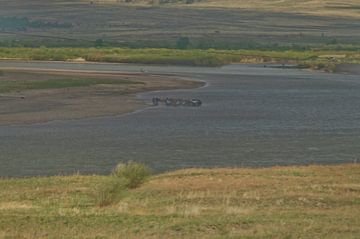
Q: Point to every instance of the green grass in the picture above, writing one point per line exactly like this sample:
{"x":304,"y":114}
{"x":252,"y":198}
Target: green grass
{"x":322,"y":59}
{"x":279,"y":202}
{"x":20,"y":85}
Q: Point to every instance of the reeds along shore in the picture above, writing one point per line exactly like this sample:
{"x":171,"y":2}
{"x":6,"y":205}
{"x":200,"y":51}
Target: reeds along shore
{"x":325,"y":59}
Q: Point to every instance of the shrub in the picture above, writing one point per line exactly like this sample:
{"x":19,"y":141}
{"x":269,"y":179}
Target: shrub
{"x":125,"y":176}
{"x":131,"y":173}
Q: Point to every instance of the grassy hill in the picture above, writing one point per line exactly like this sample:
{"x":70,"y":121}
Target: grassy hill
{"x":279,"y":202}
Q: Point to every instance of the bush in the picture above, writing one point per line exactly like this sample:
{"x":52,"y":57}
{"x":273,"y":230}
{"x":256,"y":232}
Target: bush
{"x":125,"y":176}
{"x":132,"y":174}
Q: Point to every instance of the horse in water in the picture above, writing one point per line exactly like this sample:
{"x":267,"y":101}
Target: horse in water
{"x":156,"y":101}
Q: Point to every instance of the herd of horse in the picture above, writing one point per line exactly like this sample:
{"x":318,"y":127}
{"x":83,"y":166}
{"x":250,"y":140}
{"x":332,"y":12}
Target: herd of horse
{"x":176,"y":102}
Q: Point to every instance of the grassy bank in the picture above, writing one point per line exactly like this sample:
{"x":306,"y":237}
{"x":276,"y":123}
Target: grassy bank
{"x":317,"y":59}
{"x":12,"y":85}
{"x":280,"y":202}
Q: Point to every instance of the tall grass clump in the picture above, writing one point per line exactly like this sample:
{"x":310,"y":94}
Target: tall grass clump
{"x":110,"y":192}
{"x":125,"y":176}
{"x":133,"y":174}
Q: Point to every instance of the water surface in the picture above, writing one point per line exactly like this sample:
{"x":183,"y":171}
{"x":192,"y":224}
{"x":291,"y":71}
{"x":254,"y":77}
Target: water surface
{"x":251,"y":116}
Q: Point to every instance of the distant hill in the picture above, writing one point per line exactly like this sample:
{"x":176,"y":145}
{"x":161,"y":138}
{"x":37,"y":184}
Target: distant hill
{"x":349,"y":8}
{"x":161,"y":23}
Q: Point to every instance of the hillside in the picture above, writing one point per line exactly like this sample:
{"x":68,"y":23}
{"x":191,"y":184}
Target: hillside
{"x":279,"y":202}
{"x":207,"y":24}
{"x":350,"y":8}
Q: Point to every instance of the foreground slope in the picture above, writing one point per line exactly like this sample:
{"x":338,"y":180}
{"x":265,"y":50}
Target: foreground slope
{"x":280,"y":202}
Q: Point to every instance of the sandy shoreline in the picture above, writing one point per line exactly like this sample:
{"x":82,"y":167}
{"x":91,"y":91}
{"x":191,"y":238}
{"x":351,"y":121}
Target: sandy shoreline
{"x":36,"y":106}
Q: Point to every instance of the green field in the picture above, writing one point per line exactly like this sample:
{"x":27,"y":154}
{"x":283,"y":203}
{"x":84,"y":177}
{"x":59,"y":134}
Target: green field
{"x":15,"y":85}
{"x":280,"y":202}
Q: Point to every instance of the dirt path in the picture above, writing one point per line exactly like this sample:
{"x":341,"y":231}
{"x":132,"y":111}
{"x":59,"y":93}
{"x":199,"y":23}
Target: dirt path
{"x":42,"y":105}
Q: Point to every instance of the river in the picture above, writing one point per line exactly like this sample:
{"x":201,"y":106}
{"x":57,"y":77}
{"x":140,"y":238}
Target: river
{"x":251,"y":116}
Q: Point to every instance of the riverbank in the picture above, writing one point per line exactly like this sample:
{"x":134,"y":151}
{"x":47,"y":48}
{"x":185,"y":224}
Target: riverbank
{"x":282,"y":202}
{"x":36,"y":95}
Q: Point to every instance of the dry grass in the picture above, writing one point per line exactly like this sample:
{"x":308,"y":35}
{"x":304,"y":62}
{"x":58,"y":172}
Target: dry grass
{"x":347,"y":8}
{"x":279,"y":202}
{"x":14,"y":206}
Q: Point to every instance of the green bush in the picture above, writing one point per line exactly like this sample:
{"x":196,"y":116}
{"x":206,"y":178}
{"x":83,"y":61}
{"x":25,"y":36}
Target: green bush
{"x":125,"y":176}
{"x":131,"y":173}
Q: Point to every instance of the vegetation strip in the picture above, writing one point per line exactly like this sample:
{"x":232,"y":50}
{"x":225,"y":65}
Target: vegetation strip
{"x":315,"y":59}
{"x":10,"y":86}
